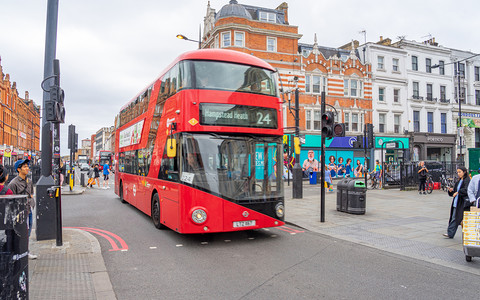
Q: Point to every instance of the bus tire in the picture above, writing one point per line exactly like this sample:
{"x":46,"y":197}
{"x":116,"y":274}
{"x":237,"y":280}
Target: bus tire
{"x":121,"y":193}
{"x":156,"y":212}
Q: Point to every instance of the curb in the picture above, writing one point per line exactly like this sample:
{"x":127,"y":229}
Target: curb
{"x":101,"y":280}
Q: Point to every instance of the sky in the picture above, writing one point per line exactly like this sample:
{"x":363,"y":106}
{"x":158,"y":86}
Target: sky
{"x":109,"y":50}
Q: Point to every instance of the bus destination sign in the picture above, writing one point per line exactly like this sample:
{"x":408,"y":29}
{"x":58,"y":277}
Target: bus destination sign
{"x":237,"y":115}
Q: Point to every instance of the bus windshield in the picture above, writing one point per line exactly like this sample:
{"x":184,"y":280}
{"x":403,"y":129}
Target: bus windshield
{"x":238,"y":168}
{"x":232,"y":77}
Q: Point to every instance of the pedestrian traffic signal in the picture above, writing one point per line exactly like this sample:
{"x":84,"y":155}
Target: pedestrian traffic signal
{"x":339,"y":129}
{"x":50,"y":114}
{"x":327,"y":124}
{"x":370,"y":137}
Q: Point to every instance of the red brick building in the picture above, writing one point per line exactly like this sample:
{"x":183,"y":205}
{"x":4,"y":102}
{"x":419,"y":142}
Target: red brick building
{"x":267,"y":34}
{"x":19,"y":123}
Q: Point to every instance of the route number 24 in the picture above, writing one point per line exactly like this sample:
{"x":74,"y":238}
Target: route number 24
{"x":263,"y":119}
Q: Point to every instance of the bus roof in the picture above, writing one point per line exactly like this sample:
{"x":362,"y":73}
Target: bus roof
{"x":214,"y":55}
{"x":225,"y":55}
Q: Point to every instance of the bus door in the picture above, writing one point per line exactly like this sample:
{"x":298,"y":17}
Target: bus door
{"x":169,"y":191}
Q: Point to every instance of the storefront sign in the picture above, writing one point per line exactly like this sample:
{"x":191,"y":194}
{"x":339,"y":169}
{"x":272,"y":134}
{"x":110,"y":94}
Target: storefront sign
{"x":385,"y":139}
{"x":434,"y":139}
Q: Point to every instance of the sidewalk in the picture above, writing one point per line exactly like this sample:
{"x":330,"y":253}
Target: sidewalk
{"x":75,"y":270}
{"x":401,"y":222}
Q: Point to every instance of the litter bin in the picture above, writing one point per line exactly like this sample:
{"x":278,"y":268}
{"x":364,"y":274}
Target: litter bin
{"x":13,"y":247}
{"x":342,"y":194}
{"x":356,"y":202}
{"x":313,"y":177}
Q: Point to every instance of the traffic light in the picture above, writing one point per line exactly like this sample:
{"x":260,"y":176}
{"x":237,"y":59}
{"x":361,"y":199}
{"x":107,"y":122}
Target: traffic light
{"x":358,"y":144}
{"x":327,"y":124}
{"x":55,"y":108}
{"x":339,"y":129}
{"x":370,"y":138}
{"x":297,"y":145}
{"x":50,"y":107}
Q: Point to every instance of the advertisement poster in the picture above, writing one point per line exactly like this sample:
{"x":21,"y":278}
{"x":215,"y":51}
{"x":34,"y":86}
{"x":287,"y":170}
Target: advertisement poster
{"x":131,"y":135}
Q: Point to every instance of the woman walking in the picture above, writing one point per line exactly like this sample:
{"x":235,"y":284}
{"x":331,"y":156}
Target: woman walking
{"x":460,"y":199}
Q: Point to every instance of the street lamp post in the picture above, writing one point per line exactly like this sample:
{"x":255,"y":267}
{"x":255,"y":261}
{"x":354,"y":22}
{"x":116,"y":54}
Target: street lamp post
{"x":182,"y":37}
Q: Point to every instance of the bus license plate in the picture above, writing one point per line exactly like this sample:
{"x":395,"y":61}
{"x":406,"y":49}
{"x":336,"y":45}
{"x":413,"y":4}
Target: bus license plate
{"x":243,"y":224}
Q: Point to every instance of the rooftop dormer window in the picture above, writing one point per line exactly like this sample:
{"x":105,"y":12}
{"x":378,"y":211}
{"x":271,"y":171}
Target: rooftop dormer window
{"x":267,"y":17}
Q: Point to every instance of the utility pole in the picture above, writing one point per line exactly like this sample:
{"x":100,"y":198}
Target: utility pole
{"x":46,"y":214}
{"x":322,"y":165}
{"x":459,"y":125}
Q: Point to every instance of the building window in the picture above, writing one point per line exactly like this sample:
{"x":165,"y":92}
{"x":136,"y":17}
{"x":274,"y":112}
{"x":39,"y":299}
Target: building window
{"x":396,"y":123}
{"x":381,"y":94}
{"x":414,"y":63}
{"x":461,"y":69}
{"x":307,"y":83}
{"x":226,"y":39}
{"x":239,"y":39}
{"x":381,"y":63}
{"x":443,"y":122}
{"x":381,"y":122}
{"x":315,"y":83}
{"x":396,"y":95}
{"x":416,"y":90}
{"x":477,"y":73}
{"x":267,"y":17}
{"x":347,"y":121}
{"x":308,"y":119}
{"x":317,"y":120}
{"x":395,"y":64}
{"x":441,"y":67}
{"x":429,"y":92}
{"x":462,"y":94}
{"x":216,"y":42}
{"x":443,"y":93}
{"x":428,"y":65}
{"x":416,"y":121}
{"x":271,"y":44}
{"x":430,"y":121}
{"x":352,"y":88}
{"x":477,"y":97}
{"x":354,"y":122}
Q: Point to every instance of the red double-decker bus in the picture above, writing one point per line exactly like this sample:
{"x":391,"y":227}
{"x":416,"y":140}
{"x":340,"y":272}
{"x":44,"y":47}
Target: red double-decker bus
{"x":197,"y":149}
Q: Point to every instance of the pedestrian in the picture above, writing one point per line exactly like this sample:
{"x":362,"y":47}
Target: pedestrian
{"x":328,"y":179}
{"x":60,"y":170}
{"x":422,"y":177}
{"x":378,"y":172}
{"x":474,"y":189}
{"x":91,"y":177}
{"x":106,"y":172}
{"x":460,"y":199}
{"x":22,"y":185}
{"x":3,"y":179}
{"x":310,"y":164}
{"x":96,"y":171}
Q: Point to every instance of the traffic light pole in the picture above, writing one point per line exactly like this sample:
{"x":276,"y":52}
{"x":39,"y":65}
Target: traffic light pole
{"x":45,"y":212}
{"x":322,"y":166}
{"x":297,"y":188}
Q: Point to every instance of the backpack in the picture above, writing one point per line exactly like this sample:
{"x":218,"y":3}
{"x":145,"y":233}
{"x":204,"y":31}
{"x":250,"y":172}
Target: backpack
{"x":4,"y":191}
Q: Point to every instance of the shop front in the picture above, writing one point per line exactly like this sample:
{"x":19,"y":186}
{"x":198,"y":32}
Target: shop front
{"x":433,"y":147}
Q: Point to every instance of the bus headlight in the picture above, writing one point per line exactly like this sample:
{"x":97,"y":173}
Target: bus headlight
{"x":280,"y":210}
{"x":199,"y":216}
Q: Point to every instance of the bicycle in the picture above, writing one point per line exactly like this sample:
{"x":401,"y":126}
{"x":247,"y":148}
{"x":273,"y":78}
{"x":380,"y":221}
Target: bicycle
{"x":445,"y":182}
{"x":429,"y":184}
{"x":374,"y":181}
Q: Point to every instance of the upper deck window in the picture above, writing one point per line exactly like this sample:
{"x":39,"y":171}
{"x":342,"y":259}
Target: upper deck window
{"x":232,"y":77}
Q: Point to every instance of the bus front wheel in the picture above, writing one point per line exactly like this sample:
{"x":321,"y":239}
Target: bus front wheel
{"x":156,"y":212}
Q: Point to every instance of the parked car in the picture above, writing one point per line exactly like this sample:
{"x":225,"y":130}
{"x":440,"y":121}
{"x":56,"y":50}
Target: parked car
{"x":84,"y":167}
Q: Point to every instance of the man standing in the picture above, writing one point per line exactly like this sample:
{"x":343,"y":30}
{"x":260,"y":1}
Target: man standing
{"x":474,"y":189}
{"x":21,"y":185}
{"x":106,"y":172}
